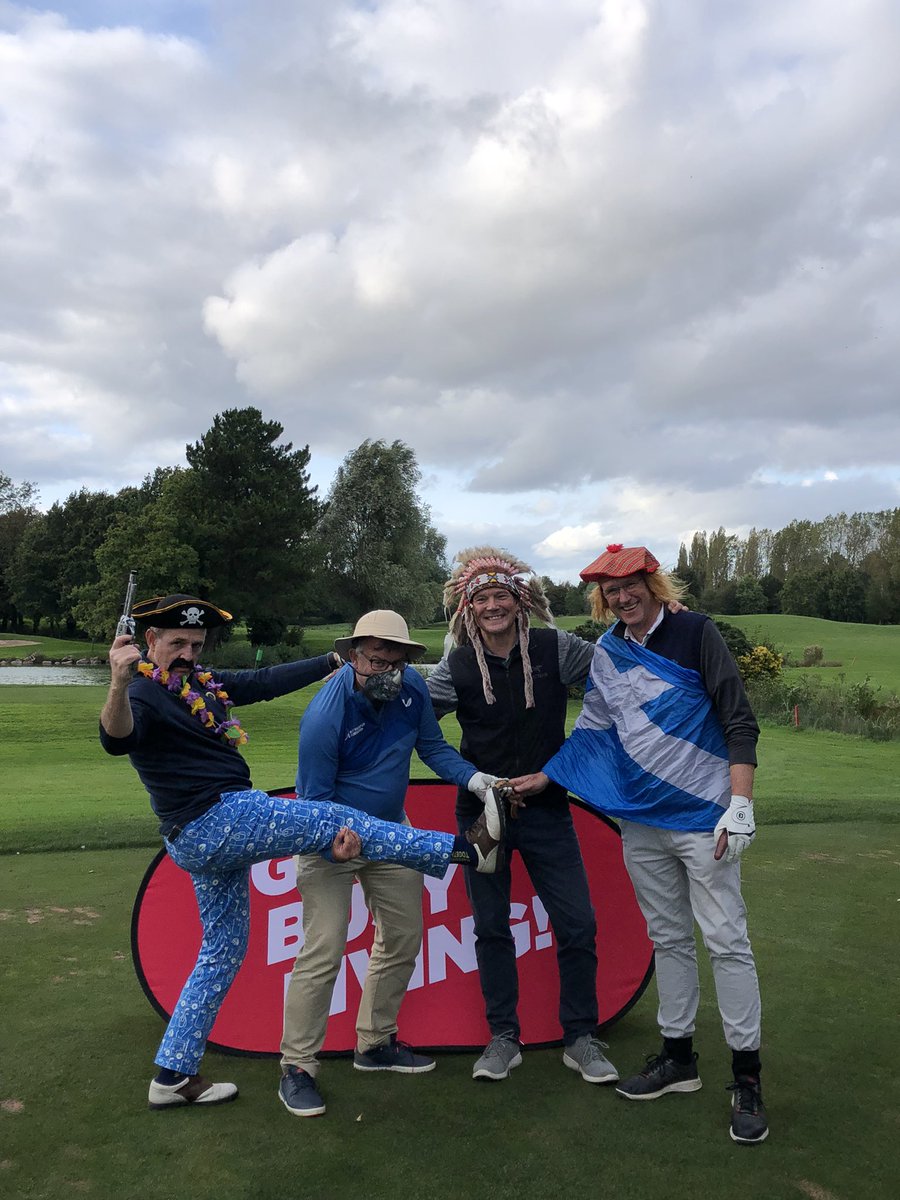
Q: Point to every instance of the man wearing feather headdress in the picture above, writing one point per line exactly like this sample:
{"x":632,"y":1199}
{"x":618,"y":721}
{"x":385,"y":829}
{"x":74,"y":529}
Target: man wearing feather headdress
{"x":508,"y":684}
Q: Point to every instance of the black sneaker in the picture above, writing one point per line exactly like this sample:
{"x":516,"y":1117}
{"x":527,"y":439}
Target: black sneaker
{"x":299,"y":1094}
{"x":749,"y":1123}
{"x":662,"y":1074}
{"x":393,"y":1056}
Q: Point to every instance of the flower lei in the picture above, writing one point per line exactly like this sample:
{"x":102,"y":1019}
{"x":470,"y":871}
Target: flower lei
{"x":230,"y":729}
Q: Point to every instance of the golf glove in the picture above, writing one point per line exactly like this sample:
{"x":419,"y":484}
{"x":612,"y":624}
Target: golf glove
{"x":479,"y":784}
{"x":740,"y":826}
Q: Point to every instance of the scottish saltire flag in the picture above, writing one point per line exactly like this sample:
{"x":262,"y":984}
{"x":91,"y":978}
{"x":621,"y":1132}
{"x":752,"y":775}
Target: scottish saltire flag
{"x":648,"y":746}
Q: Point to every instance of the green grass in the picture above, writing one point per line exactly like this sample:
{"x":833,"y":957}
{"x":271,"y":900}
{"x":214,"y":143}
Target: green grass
{"x":48,"y":646}
{"x":79,"y":1038}
{"x":68,"y":793}
{"x":856,"y":650}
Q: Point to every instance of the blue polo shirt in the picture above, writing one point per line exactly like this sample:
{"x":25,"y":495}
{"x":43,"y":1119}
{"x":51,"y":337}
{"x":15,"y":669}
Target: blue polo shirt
{"x":358,"y":753}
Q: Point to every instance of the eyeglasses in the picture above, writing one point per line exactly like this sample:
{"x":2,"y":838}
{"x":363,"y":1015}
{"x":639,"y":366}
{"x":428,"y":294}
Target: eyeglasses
{"x":614,"y":591}
{"x":383,"y":664}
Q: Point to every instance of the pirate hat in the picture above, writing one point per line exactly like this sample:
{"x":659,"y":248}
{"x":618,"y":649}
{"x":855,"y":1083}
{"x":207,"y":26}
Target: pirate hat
{"x":180,"y":612}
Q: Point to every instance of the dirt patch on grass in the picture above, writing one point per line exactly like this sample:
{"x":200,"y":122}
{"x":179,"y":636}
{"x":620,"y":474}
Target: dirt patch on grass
{"x":814,"y":1191}
{"x":78,"y":916}
{"x":5,"y":642}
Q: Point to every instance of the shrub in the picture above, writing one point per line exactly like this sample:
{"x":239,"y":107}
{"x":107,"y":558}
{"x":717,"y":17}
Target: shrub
{"x":812,"y":656}
{"x":590,"y":631}
{"x":760,"y":663}
{"x":856,"y":708}
{"x":735,"y":639}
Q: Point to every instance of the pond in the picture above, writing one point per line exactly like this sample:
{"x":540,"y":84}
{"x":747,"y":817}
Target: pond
{"x":45,"y":675}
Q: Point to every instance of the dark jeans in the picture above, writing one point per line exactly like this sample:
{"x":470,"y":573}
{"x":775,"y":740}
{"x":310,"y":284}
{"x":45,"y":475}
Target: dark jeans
{"x":545,"y":838}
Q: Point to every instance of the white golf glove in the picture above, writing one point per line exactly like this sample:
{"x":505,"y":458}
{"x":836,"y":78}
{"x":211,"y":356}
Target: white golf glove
{"x":739,"y":825}
{"x":479,"y":784}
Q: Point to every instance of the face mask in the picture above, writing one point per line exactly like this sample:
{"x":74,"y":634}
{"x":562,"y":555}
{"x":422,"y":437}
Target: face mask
{"x":384,"y":687}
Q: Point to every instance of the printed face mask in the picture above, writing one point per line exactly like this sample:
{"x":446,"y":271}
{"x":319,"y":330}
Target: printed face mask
{"x":384,"y":687}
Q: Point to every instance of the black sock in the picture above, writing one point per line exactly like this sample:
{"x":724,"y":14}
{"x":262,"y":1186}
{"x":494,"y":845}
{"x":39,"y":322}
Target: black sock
{"x":681,"y":1049}
{"x":167,"y":1077}
{"x":745,"y":1062}
{"x":463,"y":852}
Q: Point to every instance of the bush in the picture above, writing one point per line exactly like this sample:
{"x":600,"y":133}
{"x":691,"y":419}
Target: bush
{"x":240,"y":656}
{"x":735,"y":639}
{"x":812,"y":656}
{"x":856,"y":708}
{"x":590,"y":631}
{"x":760,"y":663}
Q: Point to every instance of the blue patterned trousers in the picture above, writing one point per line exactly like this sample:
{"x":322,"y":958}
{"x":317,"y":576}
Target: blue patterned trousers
{"x":218,"y":849}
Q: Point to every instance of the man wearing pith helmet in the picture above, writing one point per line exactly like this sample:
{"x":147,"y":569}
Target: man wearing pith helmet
{"x":356,"y":742}
{"x":175,"y":721}
{"x":666,"y":743}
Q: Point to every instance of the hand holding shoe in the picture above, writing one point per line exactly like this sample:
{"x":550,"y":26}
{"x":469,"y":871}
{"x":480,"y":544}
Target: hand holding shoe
{"x":480,"y":782}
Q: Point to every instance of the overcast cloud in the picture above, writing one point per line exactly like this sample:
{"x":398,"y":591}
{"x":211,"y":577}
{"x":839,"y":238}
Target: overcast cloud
{"x":615,"y":270}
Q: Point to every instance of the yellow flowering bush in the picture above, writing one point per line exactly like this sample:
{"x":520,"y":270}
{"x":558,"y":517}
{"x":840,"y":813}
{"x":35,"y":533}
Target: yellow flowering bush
{"x":760,"y":663}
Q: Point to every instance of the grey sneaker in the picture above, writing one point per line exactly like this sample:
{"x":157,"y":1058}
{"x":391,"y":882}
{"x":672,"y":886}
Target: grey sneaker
{"x":501,"y":1054}
{"x":662,"y":1074}
{"x":586,"y":1055}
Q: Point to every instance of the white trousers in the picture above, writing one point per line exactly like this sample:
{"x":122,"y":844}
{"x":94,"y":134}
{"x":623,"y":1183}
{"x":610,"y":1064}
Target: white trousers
{"x":677,"y":882}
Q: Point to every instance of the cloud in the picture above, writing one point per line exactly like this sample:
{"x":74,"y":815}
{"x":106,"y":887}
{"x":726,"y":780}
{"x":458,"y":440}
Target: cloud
{"x":624,"y":256}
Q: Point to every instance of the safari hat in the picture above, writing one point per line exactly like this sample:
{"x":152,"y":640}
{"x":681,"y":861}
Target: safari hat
{"x":381,"y":623}
{"x":180,"y":612}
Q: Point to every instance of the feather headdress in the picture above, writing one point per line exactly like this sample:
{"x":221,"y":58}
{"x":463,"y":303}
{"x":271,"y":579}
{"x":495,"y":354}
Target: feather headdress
{"x":488,"y":566}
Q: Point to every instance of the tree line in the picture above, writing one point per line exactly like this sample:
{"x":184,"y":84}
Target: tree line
{"x":241,"y":524}
{"x":844,"y":568}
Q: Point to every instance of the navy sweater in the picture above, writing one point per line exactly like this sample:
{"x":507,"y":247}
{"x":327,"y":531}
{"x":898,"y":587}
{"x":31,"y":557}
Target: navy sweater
{"x":184,"y":766}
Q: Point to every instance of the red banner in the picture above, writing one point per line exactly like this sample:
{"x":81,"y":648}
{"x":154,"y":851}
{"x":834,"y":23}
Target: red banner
{"x":443,"y":1007}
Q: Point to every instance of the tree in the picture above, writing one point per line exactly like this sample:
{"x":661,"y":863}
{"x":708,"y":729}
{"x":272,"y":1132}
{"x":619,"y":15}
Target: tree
{"x":18,"y":508}
{"x":750,"y":596}
{"x":380,"y":546}
{"x":771,"y":586}
{"x":251,"y":516}
{"x":146,"y":533}
{"x":805,"y":592}
{"x":56,"y":556}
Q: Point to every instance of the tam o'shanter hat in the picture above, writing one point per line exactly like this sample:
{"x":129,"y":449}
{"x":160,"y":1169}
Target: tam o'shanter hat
{"x":381,"y":623}
{"x":180,"y":612}
{"x":488,"y":566}
{"x":617,"y":561}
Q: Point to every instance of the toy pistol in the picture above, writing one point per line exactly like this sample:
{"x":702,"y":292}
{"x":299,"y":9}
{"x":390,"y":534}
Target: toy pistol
{"x":126,"y":621}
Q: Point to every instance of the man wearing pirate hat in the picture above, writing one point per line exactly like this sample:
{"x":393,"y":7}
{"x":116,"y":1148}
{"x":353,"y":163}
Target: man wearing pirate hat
{"x":666,"y":744}
{"x":508,"y":684}
{"x":172,"y":718}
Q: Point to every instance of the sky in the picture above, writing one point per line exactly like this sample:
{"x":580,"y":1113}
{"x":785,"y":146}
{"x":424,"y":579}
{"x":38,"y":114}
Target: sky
{"x":616,"y":270}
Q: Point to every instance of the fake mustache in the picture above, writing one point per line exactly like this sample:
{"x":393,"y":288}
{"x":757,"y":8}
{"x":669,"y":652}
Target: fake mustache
{"x":181,"y":662}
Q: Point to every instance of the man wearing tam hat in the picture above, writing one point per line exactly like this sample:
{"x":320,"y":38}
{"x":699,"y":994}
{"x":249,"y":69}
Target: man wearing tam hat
{"x":508,"y":684}
{"x":173,"y":719}
{"x":666,"y":743}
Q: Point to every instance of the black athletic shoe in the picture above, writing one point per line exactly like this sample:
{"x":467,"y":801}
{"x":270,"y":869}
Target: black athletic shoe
{"x":749,"y":1123}
{"x":662,"y":1074}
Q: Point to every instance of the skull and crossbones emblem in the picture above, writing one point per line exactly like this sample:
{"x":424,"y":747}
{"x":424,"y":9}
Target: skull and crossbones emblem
{"x":192,"y":615}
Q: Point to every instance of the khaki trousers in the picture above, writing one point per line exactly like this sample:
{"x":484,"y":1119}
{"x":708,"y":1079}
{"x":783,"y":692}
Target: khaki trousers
{"x":393,"y":896}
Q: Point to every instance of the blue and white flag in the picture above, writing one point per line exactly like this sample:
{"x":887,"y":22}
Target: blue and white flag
{"x":648,"y":745}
